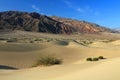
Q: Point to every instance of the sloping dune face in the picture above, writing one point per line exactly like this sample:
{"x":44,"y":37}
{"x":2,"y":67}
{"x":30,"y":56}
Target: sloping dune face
{"x":24,"y":55}
{"x":18,"y":47}
{"x":20,"y":55}
{"x":106,"y":44}
{"x":116,"y":42}
{"x":108,"y":70}
{"x":73,"y":55}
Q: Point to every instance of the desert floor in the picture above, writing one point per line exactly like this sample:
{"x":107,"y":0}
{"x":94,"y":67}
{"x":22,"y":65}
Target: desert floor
{"x":17,"y":58}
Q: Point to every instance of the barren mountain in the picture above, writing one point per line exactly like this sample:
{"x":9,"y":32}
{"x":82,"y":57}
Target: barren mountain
{"x":117,"y":29}
{"x":15,"y":20}
{"x":82,"y":26}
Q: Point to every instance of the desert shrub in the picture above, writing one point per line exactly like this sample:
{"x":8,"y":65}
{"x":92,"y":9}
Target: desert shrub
{"x":89,"y":59}
{"x":31,"y":41}
{"x":48,"y":40}
{"x":101,"y":57}
{"x":62,"y":42}
{"x":48,"y":60}
{"x":95,"y":59}
{"x":108,"y":41}
{"x":12,"y":40}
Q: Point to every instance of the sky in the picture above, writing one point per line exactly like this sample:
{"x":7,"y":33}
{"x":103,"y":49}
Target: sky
{"x":102,"y":12}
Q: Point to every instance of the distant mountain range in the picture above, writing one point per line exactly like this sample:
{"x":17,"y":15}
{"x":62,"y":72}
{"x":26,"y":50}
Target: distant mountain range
{"x":34,"y":22}
{"x":117,"y":29}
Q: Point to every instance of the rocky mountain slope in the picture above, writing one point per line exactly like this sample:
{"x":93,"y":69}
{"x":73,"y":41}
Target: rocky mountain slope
{"x":15,"y":20}
{"x":82,"y":26}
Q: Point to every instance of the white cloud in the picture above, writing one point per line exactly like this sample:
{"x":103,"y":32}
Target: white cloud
{"x":36,"y":8}
{"x":72,"y":6}
{"x":88,"y":9}
{"x":80,"y":10}
{"x":68,"y":3}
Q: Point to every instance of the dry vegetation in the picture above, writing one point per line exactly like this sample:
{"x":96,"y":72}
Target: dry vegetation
{"x":47,"y":61}
{"x":95,"y":58}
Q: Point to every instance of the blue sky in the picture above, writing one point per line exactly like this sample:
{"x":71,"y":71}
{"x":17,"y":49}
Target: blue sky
{"x":102,"y":12}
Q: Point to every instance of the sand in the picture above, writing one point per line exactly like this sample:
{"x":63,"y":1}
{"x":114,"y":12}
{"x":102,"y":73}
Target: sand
{"x":107,"y":70}
{"x":74,"y":66}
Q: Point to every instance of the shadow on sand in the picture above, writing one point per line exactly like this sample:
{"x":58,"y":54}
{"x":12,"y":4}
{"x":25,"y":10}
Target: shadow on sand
{"x":7,"y":67}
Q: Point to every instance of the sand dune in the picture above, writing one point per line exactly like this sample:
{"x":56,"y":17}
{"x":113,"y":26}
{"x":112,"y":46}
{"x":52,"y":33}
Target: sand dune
{"x":108,"y":70}
{"x":74,"y":66}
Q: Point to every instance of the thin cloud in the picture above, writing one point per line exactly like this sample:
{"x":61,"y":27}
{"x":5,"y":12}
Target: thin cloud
{"x":72,"y":6}
{"x":91,"y":11}
{"x":36,"y":8}
{"x":68,"y":3}
{"x":88,"y":9}
{"x":81,"y":10}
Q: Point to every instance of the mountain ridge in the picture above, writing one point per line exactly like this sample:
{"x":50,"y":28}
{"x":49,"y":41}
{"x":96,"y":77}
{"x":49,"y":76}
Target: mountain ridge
{"x":35,"y":22}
